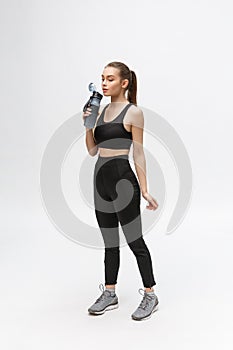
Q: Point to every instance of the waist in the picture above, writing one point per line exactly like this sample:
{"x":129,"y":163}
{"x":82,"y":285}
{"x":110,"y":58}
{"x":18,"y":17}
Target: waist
{"x":122,"y":156}
{"x":112,"y":165}
{"x":112,"y":160}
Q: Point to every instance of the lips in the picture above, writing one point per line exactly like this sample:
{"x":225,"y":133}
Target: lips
{"x":105,"y":89}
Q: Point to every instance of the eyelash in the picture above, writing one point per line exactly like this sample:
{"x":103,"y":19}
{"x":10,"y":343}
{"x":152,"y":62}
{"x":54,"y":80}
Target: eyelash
{"x":108,"y":79}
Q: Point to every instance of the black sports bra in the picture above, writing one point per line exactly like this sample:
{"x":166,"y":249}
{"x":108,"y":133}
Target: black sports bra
{"x":113,"y":134}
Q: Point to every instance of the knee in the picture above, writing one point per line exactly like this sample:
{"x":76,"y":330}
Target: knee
{"x":138,"y":246}
{"x":112,"y":250}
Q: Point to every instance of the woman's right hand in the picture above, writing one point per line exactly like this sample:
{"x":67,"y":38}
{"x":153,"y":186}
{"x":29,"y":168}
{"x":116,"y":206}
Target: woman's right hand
{"x":86,"y":113}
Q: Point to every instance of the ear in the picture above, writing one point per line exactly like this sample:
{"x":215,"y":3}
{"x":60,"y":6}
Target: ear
{"x":125,"y":83}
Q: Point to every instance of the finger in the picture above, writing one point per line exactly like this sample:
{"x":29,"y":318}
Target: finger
{"x":150,"y":206}
{"x":154,"y":202}
{"x":86,"y":114}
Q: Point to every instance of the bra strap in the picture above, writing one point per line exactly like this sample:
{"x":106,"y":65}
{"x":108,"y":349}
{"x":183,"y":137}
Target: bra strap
{"x":100,"y":120}
{"x":120,"y":116}
{"x":123,"y":112}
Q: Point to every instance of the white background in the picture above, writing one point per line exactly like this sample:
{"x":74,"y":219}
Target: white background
{"x":182,"y":54}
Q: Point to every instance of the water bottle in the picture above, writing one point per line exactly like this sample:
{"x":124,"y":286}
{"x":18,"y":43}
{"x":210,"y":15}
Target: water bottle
{"x":94,"y":104}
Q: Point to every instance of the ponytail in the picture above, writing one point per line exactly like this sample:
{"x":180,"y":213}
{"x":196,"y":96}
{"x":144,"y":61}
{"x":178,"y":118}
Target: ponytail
{"x":132,"y":88}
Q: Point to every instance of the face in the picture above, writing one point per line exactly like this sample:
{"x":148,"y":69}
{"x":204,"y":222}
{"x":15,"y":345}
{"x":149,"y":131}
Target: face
{"x":111,"y":83}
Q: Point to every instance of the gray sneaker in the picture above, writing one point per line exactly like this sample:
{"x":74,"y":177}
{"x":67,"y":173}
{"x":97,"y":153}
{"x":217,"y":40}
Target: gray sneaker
{"x":148,"y":305}
{"x":107,"y":301}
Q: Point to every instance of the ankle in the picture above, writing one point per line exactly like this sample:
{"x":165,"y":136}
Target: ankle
{"x":110,"y":286}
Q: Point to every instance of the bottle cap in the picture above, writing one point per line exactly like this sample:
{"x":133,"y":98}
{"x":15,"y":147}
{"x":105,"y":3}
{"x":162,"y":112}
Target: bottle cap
{"x":97,"y":95}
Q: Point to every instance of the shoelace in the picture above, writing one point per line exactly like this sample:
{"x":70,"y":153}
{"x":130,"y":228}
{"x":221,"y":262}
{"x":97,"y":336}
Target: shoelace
{"x":145,"y":301}
{"x":104,"y":293}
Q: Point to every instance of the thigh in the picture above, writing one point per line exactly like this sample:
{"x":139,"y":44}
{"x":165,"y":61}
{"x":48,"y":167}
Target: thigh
{"x":104,"y":206}
{"x":104,"y":209}
{"x":130,"y":215}
{"x":128,"y":187}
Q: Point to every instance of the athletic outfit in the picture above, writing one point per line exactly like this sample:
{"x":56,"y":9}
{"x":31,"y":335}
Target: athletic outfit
{"x":117,"y":199}
{"x":108,"y":173}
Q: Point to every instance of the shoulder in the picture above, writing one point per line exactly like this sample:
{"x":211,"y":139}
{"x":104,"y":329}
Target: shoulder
{"x":136,"y":116}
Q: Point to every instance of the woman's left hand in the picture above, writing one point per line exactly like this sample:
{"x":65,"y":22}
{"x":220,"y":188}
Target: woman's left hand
{"x":153,"y":205}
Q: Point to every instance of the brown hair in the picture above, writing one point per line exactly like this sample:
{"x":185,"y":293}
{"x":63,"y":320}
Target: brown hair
{"x":126,"y":73}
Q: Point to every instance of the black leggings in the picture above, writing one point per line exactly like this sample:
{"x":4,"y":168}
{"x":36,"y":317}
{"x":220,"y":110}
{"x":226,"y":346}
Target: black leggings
{"x":116,"y":199}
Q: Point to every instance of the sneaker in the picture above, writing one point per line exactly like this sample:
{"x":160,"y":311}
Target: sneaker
{"x":107,"y":301}
{"x":148,"y":305}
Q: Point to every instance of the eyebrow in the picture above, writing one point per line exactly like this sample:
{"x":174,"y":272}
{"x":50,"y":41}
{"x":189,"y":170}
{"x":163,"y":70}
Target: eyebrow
{"x":110,"y":75}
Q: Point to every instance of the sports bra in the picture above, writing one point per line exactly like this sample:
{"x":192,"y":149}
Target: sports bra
{"x":113,"y":134}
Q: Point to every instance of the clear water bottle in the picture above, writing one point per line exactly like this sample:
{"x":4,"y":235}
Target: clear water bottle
{"x":94,"y":104}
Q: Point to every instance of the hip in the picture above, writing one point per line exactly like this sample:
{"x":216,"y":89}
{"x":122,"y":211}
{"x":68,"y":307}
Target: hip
{"x":115,"y":168}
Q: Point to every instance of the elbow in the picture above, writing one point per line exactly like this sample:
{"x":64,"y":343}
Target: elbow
{"x":93,"y":151}
{"x":92,"y":154}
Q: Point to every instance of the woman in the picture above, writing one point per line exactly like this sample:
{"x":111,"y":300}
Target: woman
{"x":119,"y":125}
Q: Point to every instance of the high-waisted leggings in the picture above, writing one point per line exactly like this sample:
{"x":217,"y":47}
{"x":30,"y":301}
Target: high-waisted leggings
{"x":117,"y":198}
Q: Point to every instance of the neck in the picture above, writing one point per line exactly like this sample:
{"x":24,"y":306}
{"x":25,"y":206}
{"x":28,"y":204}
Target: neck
{"x":118,"y":104}
{"x":119,"y":99}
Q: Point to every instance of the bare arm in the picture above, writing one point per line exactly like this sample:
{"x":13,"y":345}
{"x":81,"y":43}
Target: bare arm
{"x":90,"y":143}
{"x":138,"y":152}
{"x":139,"y":156}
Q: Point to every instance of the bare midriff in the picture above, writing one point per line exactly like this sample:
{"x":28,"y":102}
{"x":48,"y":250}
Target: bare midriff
{"x":107,"y":152}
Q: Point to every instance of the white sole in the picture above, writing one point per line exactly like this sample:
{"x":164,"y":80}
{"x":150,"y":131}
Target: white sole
{"x":108,"y":308}
{"x":147,"y":317}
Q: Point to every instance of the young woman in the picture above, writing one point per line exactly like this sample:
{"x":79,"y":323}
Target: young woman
{"x":119,"y":125}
